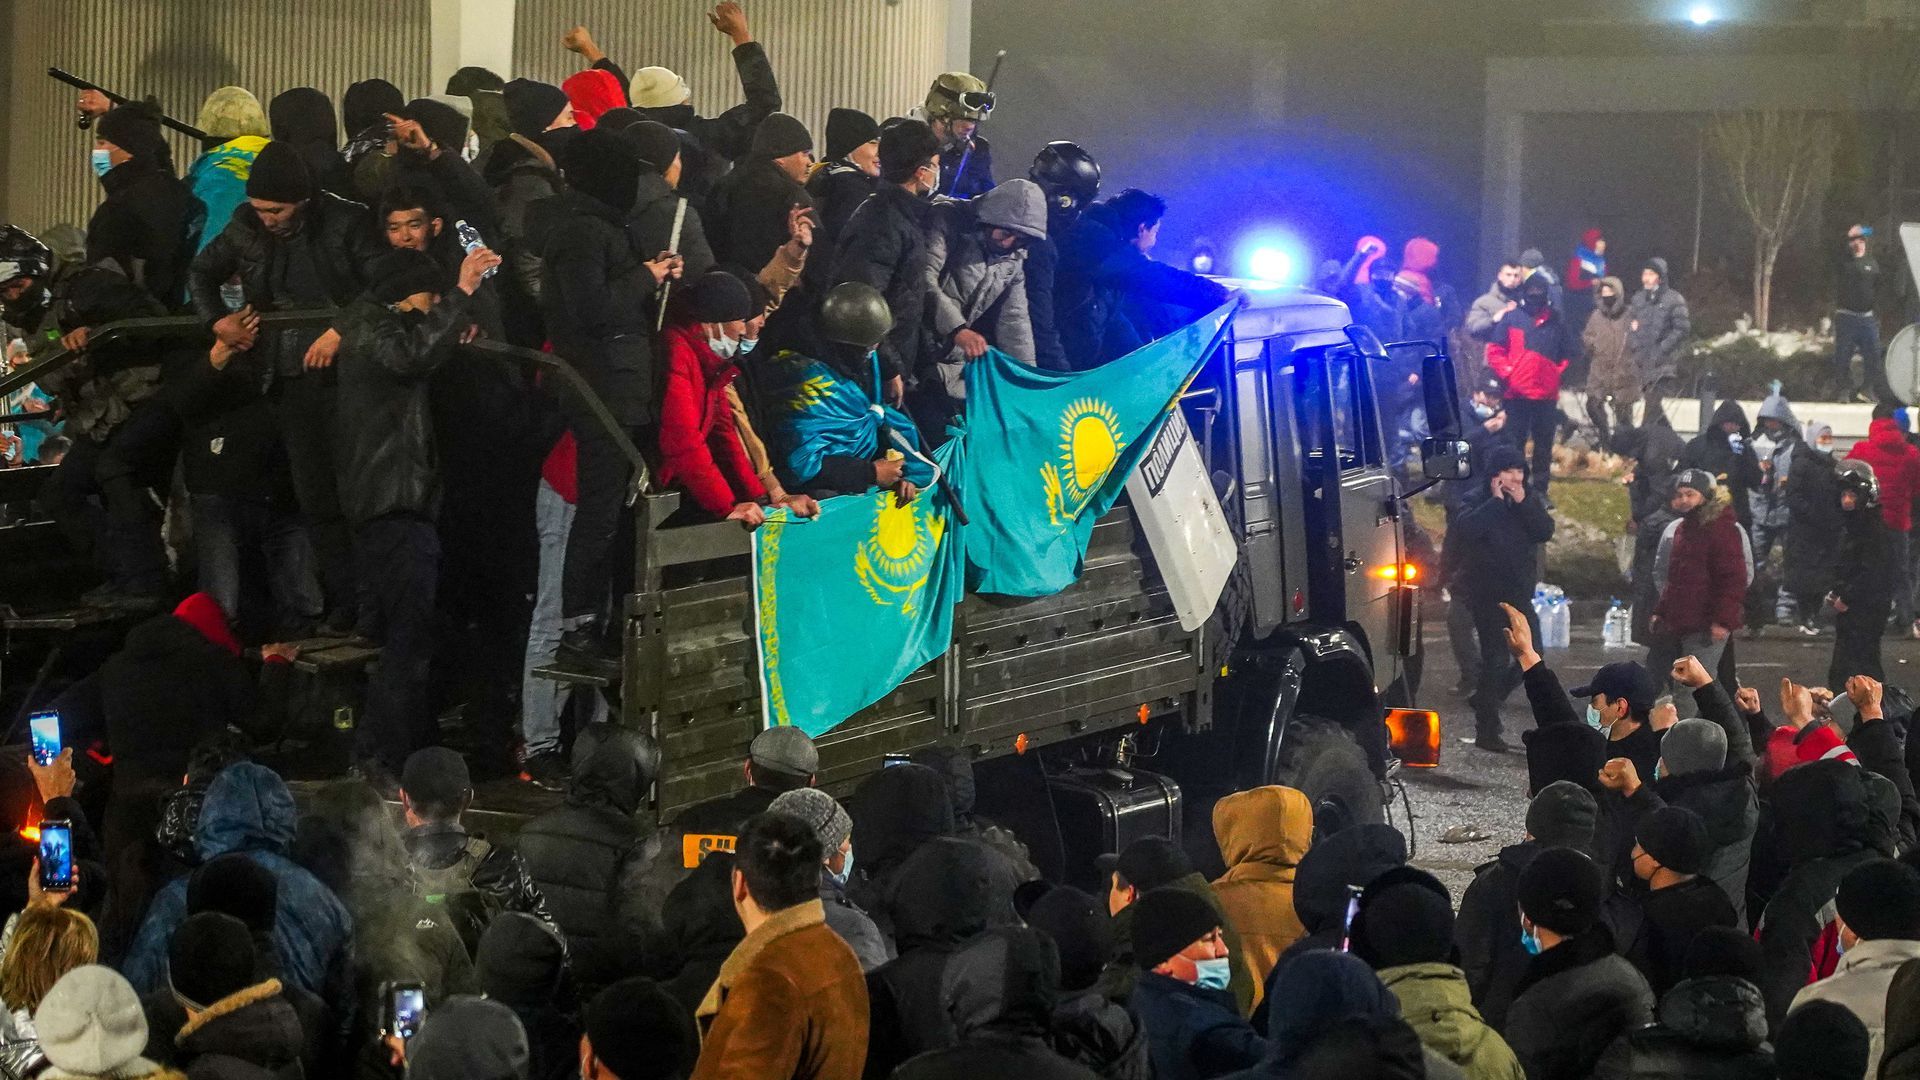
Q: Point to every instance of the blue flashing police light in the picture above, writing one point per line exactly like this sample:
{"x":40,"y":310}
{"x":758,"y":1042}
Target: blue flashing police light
{"x":1272,"y":255}
{"x":1271,"y":264}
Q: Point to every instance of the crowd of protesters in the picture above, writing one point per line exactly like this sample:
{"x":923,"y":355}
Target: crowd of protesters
{"x":766,"y":319}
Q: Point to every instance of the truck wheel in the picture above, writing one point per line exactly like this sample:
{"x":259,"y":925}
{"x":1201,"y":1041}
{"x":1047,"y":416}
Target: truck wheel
{"x":1323,"y":760}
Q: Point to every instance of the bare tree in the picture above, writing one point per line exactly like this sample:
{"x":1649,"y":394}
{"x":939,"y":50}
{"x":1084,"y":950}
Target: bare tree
{"x":1777,"y":162}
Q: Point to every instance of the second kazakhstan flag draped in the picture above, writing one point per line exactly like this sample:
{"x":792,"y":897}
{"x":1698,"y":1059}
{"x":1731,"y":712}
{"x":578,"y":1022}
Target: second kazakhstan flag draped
{"x":1048,"y":453}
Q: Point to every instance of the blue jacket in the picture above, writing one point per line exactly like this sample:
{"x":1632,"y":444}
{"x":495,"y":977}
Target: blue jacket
{"x":249,"y":809}
{"x":1193,"y":1034}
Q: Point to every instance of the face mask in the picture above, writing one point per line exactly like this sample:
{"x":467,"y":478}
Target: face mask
{"x":723,"y":346}
{"x":1593,"y":717}
{"x":102,"y":162}
{"x":747,"y":345}
{"x":1483,"y":411}
{"x":1825,"y":448}
{"x":1214,"y":974}
{"x":1737,"y":441}
{"x":1529,"y":942}
{"x":846,"y":870}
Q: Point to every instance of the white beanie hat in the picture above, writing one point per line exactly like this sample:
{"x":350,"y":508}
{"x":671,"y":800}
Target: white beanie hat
{"x":657,"y":88}
{"x":91,"y":1023}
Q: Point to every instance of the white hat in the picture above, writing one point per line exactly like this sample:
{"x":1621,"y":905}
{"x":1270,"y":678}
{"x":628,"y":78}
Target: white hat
{"x":90,"y":1023}
{"x":657,"y":88}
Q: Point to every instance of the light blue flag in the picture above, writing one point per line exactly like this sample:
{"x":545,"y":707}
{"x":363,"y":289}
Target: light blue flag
{"x":1048,"y":453}
{"x":852,"y":602}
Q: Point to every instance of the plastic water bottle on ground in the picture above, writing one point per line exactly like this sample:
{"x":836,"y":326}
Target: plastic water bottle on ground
{"x":1614,"y":631}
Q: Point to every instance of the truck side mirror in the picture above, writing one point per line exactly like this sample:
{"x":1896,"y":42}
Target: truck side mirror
{"x":1442,"y":395}
{"x":1446,"y":459}
{"x":1902,"y":364}
{"x":1366,"y":342}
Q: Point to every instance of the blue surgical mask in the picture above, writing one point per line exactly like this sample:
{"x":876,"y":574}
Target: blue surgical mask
{"x":1529,"y":941}
{"x":846,"y":870}
{"x":1593,"y":717}
{"x":102,"y":161}
{"x":1482,"y":410}
{"x":747,"y":345}
{"x":1214,"y":974}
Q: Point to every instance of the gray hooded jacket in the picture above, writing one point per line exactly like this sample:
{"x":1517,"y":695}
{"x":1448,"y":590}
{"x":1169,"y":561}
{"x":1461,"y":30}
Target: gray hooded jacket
{"x":1657,"y":327}
{"x":971,"y":285}
{"x":1768,"y":500}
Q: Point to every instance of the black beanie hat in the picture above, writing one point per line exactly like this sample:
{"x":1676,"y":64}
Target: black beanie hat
{"x":1563,"y":815}
{"x":847,"y":130}
{"x":1821,"y":1040}
{"x":532,"y":106}
{"x":280,"y":175}
{"x":135,"y":128}
{"x":1676,"y":838}
{"x":519,"y":960}
{"x":303,"y":114}
{"x":1561,"y":889}
{"x":210,"y":957}
{"x":403,"y":272}
{"x":620,"y":119}
{"x":1166,"y":921}
{"x":235,"y":885}
{"x":368,"y":102}
{"x":655,"y":143}
{"x":1081,"y":930}
{"x":758,"y":298}
{"x":1555,"y":752}
{"x":472,"y":79}
{"x":602,"y":165}
{"x":1881,"y":899}
{"x":1724,"y":951}
{"x":779,"y":135}
{"x":1405,"y":917}
{"x":443,"y":123}
{"x":719,"y":297}
{"x":638,"y":1029}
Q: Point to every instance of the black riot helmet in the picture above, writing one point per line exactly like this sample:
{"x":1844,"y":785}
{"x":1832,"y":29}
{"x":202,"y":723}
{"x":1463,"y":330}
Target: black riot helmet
{"x":855,"y":314}
{"x":1067,"y":174}
{"x":23,"y":255}
{"x":1857,"y":476}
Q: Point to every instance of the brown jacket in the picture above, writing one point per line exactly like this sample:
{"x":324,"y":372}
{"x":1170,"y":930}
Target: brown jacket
{"x":1262,"y":835}
{"x":790,"y":1002}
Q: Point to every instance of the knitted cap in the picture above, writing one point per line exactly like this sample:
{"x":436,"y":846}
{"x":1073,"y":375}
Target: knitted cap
{"x":434,"y":774}
{"x":1821,"y":1040}
{"x":1561,"y":889}
{"x":1722,"y":950}
{"x":443,"y":123}
{"x":1881,"y":899}
{"x":468,"y":1038}
{"x":654,"y":142}
{"x":393,"y":277}
{"x":280,"y":175}
{"x":638,"y":1029}
{"x":1081,"y":930}
{"x":532,"y":106}
{"x":1694,"y":746}
{"x":718,"y":297}
{"x":1166,"y":921}
{"x":779,"y":135}
{"x":91,"y":1024}
{"x":233,"y":884}
{"x":1676,"y":838}
{"x":657,"y":88}
{"x":822,"y":813}
{"x":210,"y":957}
{"x":848,"y":130}
{"x":1563,"y":815}
{"x":1405,"y":917}
{"x":135,"y":128}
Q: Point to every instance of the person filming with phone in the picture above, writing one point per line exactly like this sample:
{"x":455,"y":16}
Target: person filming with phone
{"x":1498,"y":544}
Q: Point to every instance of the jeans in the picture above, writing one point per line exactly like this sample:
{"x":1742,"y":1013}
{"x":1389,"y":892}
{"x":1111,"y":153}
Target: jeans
{"x":1539,"y":420}
{"x":304,"y":407}
{"x":238,"y":540}
{"x":1765,"y":539}
{"x":1499,"y":674}
{"x":542,"y":700}
{"x":399,"y":556}
{"x":1852,"y":334}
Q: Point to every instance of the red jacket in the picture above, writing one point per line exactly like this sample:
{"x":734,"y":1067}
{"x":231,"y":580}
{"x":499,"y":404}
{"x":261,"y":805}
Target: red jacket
{"x":1896,"y":464}
{"x":1706,"y":573}
{"x":700,"y":449}
{"x":1530,"y":351}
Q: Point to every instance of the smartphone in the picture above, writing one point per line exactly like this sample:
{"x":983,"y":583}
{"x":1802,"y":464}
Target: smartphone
{"x":888,"y":761}
{"x":406,"y":1008}
{"x":56,"y":855}
{"x":1353,"y":911}
{"x":44,"y":729}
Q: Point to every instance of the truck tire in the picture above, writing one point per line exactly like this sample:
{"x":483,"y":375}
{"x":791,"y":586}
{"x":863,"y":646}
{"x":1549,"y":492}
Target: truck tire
{"x":1322,"y":759}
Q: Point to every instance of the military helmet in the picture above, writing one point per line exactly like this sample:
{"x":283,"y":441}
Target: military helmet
{"x":1857,"y":476}
{"x":23,"y":255}
{"x":1068,"y":174}
{"x":957,"y":95}
{"x":855,"y":314}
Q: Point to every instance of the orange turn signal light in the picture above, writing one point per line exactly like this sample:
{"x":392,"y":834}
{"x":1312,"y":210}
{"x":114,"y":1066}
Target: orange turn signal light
{"x":1406,"y":573}
{"x":1020,"y":743}
{"x":30,"y":833}
{"x":1415,"y":737}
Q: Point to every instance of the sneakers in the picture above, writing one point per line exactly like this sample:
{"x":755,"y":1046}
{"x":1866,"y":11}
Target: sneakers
{"x":1492,"y":744}
{"x":1808,"y":630}
{"x":587,"y":649}
{"x":546,"y":769}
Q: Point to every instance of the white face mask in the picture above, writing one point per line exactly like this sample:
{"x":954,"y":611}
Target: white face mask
{"x":723,"y":346}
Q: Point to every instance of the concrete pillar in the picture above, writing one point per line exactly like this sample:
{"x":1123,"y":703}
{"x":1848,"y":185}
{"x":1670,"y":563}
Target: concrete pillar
{"x":471,"y":32}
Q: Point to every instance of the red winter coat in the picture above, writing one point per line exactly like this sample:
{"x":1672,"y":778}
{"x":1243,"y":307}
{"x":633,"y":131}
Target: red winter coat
{"x":1897,"y":466}
{"x":700,"y":449}
{"x":1706,"y":573}
{"x":1530,"y":351}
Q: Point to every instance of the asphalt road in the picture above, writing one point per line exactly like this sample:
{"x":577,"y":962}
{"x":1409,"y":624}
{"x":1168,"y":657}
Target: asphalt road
{"x":1488,"y":791}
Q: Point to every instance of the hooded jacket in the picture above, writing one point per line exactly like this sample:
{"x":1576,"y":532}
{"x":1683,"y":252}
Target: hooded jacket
{"x":1588,"y":267}
{"x":248,"y":809}
{"x":942,"y":901}
{"x":1768,"y":497}
{"x":1728,"y":456}
{"x":1530,"y":350}
{"x":973,"y":284}
{"x":148,"y":223}
{"x":1262,"y":833}
{"x":895,"y":812}
{"x":589,"y":858}
{"x":1435,"y":1002}
{"x":1812,"y":498}
{"x":1000,"y":992}
{"x":1657,"y":328}
{"x":1820,"y":818}
{"x":1487,"y":930}
{"x":1896,"y":464}
{"x":1610,"y":371}
{"x":1712,"y":1028}
{"x":384,"y":448}
{"x":1861,"y":982}
{"x":700,"y":448}
{"x":253,"y":1034}
{"x":1653,"y":929}
{"x":1574,"y":1001}
{"x":1706,"y":572}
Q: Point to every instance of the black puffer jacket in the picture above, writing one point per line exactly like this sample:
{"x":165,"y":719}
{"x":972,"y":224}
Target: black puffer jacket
{"x":1813,"y":495}
{"x":1000,"y":991}
{"x":1574,"y":1001}
{"x":1487,"y":931}
{"x":883,"y":245}
{"x":1353,"y":856}
{"x":943,"y":900}
{"x":148,"y":224}
{"x":336,"y":236}
{"x":1092,"y":1028}
{"x":1881,"y":746}
{"x":1654,"y":929}
{"x":748,"y":211}
{"x":702,"y":927}
{"x":1494,"y":538}
{"x":650,"y":224}
{"x":1712,"y":1028}
{"x":1820,"y":822}
{"x":597,"y":297}
{"x":590,"y":857}
{"x":1096,"y":271}
{"x":252,"y":1035}
{"x":895,"y":812}
{"x":384,"y":445}
{"x":1736,"y":469}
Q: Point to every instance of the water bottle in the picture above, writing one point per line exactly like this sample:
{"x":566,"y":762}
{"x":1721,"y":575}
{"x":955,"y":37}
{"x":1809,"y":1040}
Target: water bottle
{"x":232,"y":296}
{"x":1540,"y":608}
{"x":470,"y":241}
{"x":1562,"y":620}
{"x":1613,"y":632}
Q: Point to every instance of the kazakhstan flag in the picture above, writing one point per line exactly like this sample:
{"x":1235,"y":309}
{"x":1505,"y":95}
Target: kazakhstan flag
{"x":852,"y":602}
{"x":1048,"y":453}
